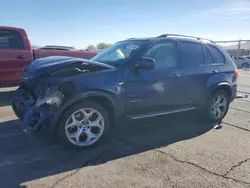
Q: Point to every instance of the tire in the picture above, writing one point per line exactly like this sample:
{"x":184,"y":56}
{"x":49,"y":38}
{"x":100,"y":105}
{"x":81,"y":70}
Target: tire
{"x":209,"y":109}
{"x":245,"y":65}
{"x":85,"y":126}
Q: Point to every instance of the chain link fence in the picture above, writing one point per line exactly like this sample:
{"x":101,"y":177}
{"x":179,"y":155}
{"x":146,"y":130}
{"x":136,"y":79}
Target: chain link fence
{"x":239,"y":51}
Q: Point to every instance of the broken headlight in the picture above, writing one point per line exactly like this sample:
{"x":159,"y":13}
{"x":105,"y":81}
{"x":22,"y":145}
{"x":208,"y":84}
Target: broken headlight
{"x":53,"y":100}
{"x":52,"y":97}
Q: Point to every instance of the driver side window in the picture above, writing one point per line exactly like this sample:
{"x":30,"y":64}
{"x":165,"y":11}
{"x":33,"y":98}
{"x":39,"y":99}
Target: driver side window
{"x":164,"y":54}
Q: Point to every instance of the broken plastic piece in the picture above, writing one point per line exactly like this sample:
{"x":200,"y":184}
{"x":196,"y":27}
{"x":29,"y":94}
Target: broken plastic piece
{"x":241,"y":95}
{"x":217,"y":126}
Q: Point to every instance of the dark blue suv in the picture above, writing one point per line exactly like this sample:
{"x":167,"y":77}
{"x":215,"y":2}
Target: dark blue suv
{"x":78,"y":100}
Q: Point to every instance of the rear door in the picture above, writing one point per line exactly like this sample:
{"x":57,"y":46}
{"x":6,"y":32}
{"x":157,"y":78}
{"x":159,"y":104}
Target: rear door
{"x":194,"y":74}
{"x":13,"y":56}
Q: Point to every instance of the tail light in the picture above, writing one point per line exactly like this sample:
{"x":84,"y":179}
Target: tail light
{"x":236,"y":73}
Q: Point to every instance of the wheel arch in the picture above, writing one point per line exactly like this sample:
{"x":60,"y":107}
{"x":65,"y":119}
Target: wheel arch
{"x":103,"y":98}
{"x":224,"y":86}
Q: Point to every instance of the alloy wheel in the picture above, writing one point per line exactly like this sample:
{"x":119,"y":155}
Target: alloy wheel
{"x":219,"y":106}
{"x":84,"y":127}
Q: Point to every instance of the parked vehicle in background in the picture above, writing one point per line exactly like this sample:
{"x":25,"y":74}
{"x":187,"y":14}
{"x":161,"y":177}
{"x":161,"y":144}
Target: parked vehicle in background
{"x":242,"y":62}
{"x":247,"y":56}
{"x":79,"y":99}
{"x":16,"y":52}
{"x":52,"y":47}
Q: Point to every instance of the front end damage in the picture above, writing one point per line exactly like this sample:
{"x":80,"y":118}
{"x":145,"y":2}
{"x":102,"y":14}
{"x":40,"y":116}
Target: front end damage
{"x":46,"y":84}
{"x":36,"y":111}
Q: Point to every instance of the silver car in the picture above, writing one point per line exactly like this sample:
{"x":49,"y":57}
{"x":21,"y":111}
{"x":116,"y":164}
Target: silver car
{"x":242,"y":62}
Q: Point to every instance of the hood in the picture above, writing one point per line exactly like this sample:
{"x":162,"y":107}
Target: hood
{"x":52,"y":64}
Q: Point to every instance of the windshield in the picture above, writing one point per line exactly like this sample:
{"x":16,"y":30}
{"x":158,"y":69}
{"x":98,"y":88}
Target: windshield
{"x":118,"y":51}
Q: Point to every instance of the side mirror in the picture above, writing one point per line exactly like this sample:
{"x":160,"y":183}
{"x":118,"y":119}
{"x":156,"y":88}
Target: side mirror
{"x":145,"y":63}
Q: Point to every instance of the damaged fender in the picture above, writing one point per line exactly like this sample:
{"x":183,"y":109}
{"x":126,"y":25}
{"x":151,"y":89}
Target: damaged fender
{"x":80,"y":97}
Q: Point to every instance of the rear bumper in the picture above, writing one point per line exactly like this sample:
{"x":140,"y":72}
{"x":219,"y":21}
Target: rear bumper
{"x":234,"y":91}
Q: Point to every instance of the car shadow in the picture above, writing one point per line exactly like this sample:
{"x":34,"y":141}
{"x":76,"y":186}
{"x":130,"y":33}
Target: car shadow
{"x":29,"y":158}
{"x":6,"y":98}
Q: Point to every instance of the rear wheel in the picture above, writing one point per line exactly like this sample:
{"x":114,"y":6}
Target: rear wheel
{"x":217,"y":106}
{"x":83,"y":125}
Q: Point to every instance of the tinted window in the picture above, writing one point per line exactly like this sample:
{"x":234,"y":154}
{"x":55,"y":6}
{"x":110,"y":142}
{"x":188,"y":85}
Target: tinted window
{"x":164,"y":54}
{"x":216,"y":54}
{"x":209,"y":58}
{"x":191,"y":54}
{"x":10,"y":40}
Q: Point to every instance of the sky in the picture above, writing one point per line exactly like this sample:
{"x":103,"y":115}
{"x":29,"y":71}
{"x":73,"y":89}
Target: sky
{"x":81,"y":22}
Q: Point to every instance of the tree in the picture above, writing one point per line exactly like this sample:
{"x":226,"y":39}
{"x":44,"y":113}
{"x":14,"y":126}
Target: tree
{"x":91,"y":47}
{"x":102,"y":45}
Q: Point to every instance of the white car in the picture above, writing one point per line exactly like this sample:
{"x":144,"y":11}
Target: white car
{"x":242,"y":62}
{"x":247,"y":56}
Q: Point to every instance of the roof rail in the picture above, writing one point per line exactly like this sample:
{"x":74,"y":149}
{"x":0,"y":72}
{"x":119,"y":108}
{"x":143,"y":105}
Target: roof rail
{"x":185,"y":36}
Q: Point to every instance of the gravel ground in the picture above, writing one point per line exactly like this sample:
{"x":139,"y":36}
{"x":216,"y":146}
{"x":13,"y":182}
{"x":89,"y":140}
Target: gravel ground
{"x":170,"y":151}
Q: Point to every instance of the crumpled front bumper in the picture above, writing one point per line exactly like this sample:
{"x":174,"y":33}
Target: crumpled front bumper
{"x":31,"y":115}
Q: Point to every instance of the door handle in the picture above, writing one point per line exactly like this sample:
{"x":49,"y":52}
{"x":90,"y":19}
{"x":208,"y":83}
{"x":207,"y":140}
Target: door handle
{"x":20,"y":56}
{"x":174,"y":76}
{"x":216,"y":71}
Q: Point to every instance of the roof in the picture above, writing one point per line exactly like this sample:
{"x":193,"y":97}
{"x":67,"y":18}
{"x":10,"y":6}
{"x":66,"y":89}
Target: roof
{"x":175,"y":37}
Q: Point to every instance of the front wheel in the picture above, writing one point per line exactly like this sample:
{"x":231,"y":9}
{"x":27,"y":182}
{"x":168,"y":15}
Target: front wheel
{"x":217,"y":106}
{"x":83,"y":125}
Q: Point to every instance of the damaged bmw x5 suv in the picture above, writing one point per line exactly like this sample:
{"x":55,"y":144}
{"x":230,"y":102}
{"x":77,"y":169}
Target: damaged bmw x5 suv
{"x":78,"y":99}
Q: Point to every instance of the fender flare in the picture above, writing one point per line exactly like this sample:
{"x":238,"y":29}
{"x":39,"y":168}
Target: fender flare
{"x":226,"y":85}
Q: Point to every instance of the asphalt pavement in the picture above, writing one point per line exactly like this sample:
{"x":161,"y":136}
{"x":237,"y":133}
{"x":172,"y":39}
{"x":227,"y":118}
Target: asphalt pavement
{"x":171,"y":151}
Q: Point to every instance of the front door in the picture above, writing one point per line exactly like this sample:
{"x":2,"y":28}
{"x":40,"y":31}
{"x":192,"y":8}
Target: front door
{"x":156,"y":89}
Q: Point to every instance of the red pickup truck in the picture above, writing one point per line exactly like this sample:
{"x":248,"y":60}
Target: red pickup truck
{"x":16,"y":52}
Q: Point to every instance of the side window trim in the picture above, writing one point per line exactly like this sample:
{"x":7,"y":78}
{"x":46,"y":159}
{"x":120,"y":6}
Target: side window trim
{"x":214,"y":63}
{"x":206,"y":49}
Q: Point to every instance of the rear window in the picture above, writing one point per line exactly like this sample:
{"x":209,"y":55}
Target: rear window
{"x":191,"y":54}
{"x":10,"y":40}
{"x":217,"y":56}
